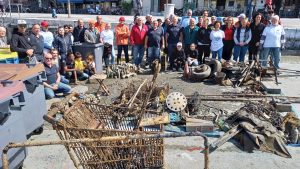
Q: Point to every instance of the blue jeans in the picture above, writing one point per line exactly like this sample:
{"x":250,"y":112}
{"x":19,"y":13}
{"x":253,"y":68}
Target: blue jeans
{"x":171,"y":48}
{"x":239,"y":52}
{"x":219,"y":53}
{"x":138,"y":54}
{"x":64,"y":80}
{"x":53,"y":12}
{"x":62,"y":88}
{"x":275,"y":54}
{"x":153,"y":53}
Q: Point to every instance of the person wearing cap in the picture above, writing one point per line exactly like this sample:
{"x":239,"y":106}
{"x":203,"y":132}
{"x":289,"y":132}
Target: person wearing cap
{"x":242,"y":36}
{"x":122,"y":34}
{"x":100,"y":25}
{"x":241,"y":17}
{"x":78,"y":32}
{"x":272,"y":39}
{"x":47,"y":35}
{"x":3,"y":38}
{"x":91,"y":35}
{"x":137,"y":40}
{"x":172,"y":38}
{"x":179,"y":57}
{"x":20,"y":43}
{"x":37,"y":41}
{"x":154,"y":42}
{"x":185,"y":22}
{"x":107,"y":36}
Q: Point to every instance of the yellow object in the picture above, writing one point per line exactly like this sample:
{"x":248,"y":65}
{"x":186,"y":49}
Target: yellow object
{"x":79,"y":65}
{"x":162,"y":96}
{"x":5,"y":53}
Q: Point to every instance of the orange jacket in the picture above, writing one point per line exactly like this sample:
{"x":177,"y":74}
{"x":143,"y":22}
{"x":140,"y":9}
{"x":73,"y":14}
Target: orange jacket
{"x":100,"y":27}
{"x":122,"y":34}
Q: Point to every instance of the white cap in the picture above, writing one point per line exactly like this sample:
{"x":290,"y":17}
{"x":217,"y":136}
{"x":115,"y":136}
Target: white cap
{"x":179,"y":44}
{"x":149,"y":15}
{"x":21,"y":22}
{"x":242,"y":15}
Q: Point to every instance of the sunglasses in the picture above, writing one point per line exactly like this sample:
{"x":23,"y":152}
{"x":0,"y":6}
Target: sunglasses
{"x":48,"y":58}
{"x":22,"y":26}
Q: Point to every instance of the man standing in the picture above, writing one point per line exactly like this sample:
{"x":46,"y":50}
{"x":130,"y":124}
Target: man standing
{"x":53,"y":84}
{"x":137,"y":40}
{"x":172,"y":38}
{"x":154,"y":41}
{"x":37,"y":41}
{"x":122,"y":35}
{"x":91,"y":34}
{"x":149,"y":21}
{"x":185,"y":22}
{"x":47,"y":35}
{"x":100,"y":25}
{"x":189,"y":34}
{"x":53,"y":8}
{"x":78,"y":32}
{"x":20,"y":43}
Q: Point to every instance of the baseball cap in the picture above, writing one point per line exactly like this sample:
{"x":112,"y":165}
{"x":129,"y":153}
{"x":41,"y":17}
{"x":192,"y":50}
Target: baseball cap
{"x":122,"y":18}
{"x":44,"y":24}
{"x":242,"y":15}
{"x":21,"y":22}
{"x":148,"y":15}
{"x":179,"y":44}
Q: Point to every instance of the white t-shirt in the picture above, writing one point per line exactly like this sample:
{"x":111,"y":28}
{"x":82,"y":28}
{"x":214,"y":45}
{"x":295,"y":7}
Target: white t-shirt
{"x":273,"y":36}
{"x":107,"y":36}
{"x":216,"y":38}
{"x":48,"y":38}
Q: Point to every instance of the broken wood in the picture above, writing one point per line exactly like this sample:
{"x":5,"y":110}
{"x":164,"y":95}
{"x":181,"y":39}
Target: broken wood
{"x":135,"y":94}
{"x":227,"y":136}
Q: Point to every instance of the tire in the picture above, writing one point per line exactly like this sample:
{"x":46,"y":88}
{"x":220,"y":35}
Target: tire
{"x":200,"y":73}
{"x":215,"y":66}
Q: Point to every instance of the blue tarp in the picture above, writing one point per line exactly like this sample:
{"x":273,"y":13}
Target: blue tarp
{"x":71,"y":1}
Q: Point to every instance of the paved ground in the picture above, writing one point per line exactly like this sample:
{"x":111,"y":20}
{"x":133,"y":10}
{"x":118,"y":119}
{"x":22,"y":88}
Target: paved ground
{"x":182,"y":152}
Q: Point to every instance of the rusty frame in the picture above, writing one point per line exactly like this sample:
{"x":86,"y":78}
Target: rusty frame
{"x":5,"y":159}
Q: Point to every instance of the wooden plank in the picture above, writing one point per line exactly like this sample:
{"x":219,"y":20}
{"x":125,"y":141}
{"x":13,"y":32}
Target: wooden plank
{"x":283,"y":107}
{"x":271,"y":87}
{"x":193,"y":125}
{"x":164,"y":119}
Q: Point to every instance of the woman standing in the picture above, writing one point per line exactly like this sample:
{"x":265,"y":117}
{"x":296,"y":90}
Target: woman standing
{"x":228,"y":29}
{"x":203,"y":39}
{"x":257,"y":28}
{"x":216,"y":37}
{"x":242,"y":37}
{"x":62,"y":42}
{"x":107,"y":36}
{"x":272,"y":40}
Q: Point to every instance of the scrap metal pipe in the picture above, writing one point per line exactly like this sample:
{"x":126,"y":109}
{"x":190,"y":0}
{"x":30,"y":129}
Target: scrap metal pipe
{"x":5,"y":160}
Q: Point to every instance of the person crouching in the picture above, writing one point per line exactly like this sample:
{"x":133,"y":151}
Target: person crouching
{"x":179,"y":57}
{"x":192,"y":55}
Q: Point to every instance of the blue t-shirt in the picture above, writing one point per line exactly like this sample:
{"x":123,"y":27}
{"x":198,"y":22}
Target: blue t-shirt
{"x":51,"y":73}
{"x":155,"y":36}
{"x":174,"y":33}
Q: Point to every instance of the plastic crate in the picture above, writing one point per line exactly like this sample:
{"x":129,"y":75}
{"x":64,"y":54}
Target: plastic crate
{"x":10,"y":61}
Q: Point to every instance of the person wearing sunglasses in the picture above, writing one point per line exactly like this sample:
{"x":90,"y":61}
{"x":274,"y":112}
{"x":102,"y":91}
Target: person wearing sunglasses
{"x":20,"y":43}
{"x":53,"y":84}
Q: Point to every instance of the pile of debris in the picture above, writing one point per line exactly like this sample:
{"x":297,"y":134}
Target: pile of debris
{"x":229,"y":73}
{"x":125,"y":70}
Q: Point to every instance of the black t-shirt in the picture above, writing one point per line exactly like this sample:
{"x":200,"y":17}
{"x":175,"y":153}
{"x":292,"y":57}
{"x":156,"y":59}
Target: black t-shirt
{"x":174,"y":33}
{"x":155,"y":36}
{"x":51,"y":73}
{"x":192,"y":54}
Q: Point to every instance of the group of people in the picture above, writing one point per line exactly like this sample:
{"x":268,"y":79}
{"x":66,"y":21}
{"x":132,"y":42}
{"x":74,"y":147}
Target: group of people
{"x":190,"y":41}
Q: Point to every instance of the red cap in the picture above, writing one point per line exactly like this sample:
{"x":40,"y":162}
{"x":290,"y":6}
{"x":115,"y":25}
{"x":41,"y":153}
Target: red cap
{"x":44,"y":24}
{"x":122,"y":18}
